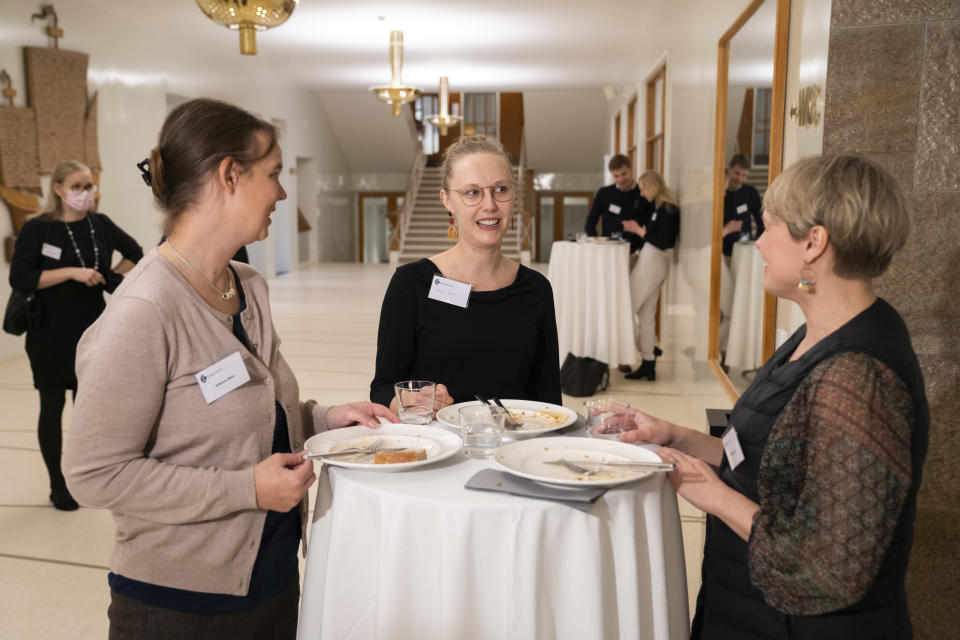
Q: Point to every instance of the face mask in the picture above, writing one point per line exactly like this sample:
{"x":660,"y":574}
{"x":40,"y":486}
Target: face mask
{"x":82,"y":201}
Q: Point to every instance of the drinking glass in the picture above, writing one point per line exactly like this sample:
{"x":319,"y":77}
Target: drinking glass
{"x":482,"y":428}
{"x":415,"y":401}
{"x":606,"y":418}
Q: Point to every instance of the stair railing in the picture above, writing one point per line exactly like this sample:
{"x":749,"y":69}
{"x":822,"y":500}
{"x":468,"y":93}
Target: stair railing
{"x":399,"y":239}
{"x":523,"y":217}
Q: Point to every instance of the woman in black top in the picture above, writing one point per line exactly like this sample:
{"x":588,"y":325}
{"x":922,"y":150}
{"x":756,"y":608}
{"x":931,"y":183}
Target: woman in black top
{"x":659,"y":234}
{"x":503,"y":344}
{"x":64,"y":255}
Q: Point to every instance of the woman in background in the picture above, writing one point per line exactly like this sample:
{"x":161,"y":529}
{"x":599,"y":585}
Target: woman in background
{"x":659,"y":235}
{"x":812,"y":492}
{"x":501,"y":340}
{"x":64,"y":255}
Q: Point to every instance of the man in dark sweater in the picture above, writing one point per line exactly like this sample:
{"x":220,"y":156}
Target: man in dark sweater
{"x":741,"y":204}
{"x":618,"y":202}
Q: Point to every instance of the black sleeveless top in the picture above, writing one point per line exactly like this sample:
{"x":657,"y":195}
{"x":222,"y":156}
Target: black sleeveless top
{"x":729,"y":606}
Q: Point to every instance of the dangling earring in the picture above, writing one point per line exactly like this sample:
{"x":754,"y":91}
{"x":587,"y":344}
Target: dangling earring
{"x":805,"y":278}
{"x":452,"y":232}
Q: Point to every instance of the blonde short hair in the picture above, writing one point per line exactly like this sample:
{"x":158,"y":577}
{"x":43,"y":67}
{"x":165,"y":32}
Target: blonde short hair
{"x":62,"y":171}
{"x":465,"y":146}
{"x":653,"y":180}
{"x":858,"y":202}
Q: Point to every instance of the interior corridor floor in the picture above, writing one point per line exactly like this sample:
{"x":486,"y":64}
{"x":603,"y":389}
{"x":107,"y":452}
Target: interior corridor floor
{"x":54,"y":564}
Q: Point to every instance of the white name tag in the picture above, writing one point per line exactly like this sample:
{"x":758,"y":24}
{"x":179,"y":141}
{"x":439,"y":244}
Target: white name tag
{"x":614,"y":209}
{"x":449,"y":291}
{"x":653,"y":218}
{"x":731,"y":446}
{"x":51,"y":251}
{"x":742,"y":208}
{"x":221,"y":378}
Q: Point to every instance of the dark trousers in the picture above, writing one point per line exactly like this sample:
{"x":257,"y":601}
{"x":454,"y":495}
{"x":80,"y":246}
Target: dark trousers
{"x":50,"y":432}
{"x":273,"y":620}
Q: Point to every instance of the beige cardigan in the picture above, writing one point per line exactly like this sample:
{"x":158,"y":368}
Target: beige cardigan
{"x":176,"y":472}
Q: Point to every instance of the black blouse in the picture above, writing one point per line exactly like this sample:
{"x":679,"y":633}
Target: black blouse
{"x":503,"y":345}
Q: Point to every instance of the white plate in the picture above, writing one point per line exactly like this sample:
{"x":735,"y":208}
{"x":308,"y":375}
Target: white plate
{"x":528,"y":410}
{"x":527,"y":459}
{"x":438,"y":443}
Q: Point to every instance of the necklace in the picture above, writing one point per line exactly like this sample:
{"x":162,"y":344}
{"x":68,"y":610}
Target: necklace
{"x":229,"y":294}
{"x":76,"y":249}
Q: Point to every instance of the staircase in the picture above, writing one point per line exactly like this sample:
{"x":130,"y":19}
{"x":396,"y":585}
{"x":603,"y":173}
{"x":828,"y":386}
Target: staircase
{"x":757,"y":177}
{"x":427,"y":234}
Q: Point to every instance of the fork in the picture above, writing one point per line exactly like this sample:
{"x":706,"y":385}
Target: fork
{"x":639,"y":465}
{"x":510,"y":422}
{"x":572,"y":466}
{"x":377,"y":446}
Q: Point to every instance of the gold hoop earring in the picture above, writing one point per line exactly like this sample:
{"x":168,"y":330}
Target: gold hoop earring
{"x":806,"y":278}
{"x":452,"y":232}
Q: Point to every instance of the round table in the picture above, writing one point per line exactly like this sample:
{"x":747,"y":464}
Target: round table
{"x":415,"y":555}
{"x":591,"y":292}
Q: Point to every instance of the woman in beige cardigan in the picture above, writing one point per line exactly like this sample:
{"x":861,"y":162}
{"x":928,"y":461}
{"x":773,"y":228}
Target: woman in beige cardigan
{"x":188,"y":420}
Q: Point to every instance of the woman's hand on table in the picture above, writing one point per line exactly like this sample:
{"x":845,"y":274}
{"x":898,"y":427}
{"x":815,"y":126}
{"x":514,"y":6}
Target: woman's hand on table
{"x":282,"y":480}
{"x":441,"y":398}
{"x":638,"y":426}
{"x":363,"y":413}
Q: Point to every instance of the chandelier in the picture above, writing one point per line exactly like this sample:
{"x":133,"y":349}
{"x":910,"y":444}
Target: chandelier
{"x":444,"y":119}
{"x":248,"y":17}
{"x":396,"y":94}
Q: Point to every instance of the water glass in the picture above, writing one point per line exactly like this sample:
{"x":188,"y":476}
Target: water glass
{"x":415,"y":401}
{"x":482,"y":429}
{"x":606,"y":418}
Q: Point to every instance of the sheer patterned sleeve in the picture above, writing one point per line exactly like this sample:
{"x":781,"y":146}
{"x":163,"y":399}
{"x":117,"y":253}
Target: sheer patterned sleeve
{"x":833,"y":481}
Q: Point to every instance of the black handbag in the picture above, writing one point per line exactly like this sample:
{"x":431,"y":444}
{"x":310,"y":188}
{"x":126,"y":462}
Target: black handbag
{"x":581,"y":377}
{"x":21,"y":312}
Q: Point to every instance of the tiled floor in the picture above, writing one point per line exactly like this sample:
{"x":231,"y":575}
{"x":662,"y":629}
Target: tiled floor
{"x":54,"y":564}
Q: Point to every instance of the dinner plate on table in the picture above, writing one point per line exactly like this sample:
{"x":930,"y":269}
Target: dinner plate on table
{"x":438,"y":444}
{"x":529,"y":459}
{"x":537,"y":417}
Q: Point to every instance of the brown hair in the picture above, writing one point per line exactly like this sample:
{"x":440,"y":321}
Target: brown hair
{"x":619,"y":161}
{"x":54,"y":207}
{"x":655,"y":181}
{"x":857,"y":201}
{"x":740,"y":160}
{"x":196,"y":137}
{"x":465,"y":146}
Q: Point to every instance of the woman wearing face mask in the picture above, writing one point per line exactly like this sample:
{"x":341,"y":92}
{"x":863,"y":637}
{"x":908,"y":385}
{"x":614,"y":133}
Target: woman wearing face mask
{"x":64,"y":255}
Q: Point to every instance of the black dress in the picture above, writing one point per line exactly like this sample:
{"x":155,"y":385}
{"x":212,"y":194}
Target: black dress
{"x":67,"y":309}
{"x":503,"y":345}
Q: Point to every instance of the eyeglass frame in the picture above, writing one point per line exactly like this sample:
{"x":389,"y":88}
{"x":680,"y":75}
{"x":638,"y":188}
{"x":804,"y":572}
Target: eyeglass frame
{"x":493,"y":194}
{"x":77,"y":188}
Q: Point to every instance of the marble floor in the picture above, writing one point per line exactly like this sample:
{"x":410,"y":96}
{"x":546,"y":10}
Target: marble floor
{"x":54,"y":564}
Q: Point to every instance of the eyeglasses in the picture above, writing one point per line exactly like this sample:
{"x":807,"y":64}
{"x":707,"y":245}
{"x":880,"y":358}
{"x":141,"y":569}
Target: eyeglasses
{"x":472,"y":195}
{"x":77,"y":188}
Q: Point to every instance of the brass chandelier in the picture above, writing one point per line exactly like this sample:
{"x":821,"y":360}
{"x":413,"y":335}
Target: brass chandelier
{"x":248,"y":17}
{"x":396,"y":94}
{"x":444,"y":119}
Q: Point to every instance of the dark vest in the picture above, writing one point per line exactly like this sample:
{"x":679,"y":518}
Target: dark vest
{"x":729,"y":606}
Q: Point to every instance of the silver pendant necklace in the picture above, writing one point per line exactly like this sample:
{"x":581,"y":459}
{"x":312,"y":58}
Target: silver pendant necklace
{"x":93,"y":240}
{"x":229,"y":294}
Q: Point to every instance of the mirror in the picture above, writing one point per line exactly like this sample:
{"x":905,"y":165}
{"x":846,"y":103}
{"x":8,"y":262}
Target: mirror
{"x":751,"y":82}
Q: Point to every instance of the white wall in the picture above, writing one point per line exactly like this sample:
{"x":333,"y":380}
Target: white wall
{"x":564,"y":130}
{"x":135,"y":69}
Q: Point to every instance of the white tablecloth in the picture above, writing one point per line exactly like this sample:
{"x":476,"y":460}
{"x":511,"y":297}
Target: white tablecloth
{"x":591,"y":290}
{"x":415,"y":555}
{"x":745,"y":345}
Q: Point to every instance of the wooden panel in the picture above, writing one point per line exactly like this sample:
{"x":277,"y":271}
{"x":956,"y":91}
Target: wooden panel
{"x":57,"y":91}
{"x":511,"y":123}
{"x":91,"y":147}
{"x":19,"y":165}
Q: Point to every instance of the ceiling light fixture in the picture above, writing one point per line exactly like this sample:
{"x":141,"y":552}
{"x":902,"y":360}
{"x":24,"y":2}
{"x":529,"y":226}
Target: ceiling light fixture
{"x":248,"y":17}
{"x":396,"y":94}
{"x":444,"y":119}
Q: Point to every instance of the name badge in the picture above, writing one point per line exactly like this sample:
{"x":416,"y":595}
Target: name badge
{"x":51,"y":251}
{"x":731,"y":447}
{"x":742,"y":208}
{"x":449,"y":291}
{"x":614,"y":208}
{"x":221,"y":378}
{"x":653,"y":218}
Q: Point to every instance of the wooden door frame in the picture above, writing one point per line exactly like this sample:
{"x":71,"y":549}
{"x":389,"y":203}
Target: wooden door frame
{"x":391,"y":197}
{"x":651,"y":139}
{"x":558,"y":214}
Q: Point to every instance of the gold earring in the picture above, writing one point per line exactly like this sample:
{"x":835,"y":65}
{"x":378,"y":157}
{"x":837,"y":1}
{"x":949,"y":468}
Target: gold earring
{"x":452,"y":232}
{"x":805,"y":278}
